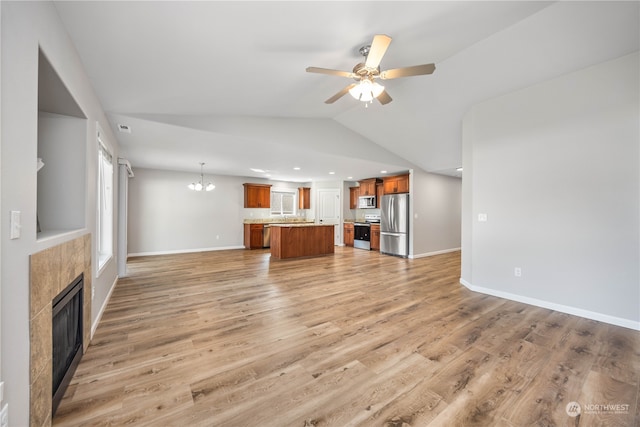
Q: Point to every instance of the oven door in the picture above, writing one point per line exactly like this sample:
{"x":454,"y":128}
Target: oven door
{"x":362,"y":236}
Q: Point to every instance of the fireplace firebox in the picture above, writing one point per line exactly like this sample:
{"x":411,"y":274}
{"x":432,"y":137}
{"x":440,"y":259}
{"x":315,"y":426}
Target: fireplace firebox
{"x":67,"y":336}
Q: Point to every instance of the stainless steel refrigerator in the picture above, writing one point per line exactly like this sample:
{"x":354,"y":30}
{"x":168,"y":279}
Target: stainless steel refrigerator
{"x":394,"y":224}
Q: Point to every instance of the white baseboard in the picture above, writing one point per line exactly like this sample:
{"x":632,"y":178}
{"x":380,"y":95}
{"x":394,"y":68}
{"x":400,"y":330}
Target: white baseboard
{"x":444,"y":251}
{"x":94,"y":326}
{"x":618,"y":321}
{"x":186,"y":251}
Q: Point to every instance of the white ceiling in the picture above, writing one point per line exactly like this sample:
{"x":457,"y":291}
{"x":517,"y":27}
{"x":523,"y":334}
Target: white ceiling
{"x":225,"y":83}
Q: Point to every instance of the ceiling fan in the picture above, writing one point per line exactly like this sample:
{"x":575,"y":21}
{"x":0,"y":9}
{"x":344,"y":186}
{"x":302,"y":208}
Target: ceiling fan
{"x":366,"y":88}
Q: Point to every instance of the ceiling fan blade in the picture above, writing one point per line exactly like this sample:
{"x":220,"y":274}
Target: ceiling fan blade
{"x":330,"y":72}
{"x":384,"y":98}
{"x":416,"y":70}
{"x":340,"y":94}
{"x":378,"y":49}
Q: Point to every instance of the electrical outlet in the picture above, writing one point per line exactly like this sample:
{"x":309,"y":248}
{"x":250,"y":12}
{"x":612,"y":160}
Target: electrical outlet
{"x":482,"y":217}
{"x":517,"y":272}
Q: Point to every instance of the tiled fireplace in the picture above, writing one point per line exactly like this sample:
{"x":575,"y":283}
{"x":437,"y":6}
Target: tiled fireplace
{"x":52,"y":270}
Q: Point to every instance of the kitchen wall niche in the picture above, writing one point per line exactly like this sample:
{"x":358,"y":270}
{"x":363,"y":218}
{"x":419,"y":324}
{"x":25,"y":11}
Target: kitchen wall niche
{"x":61,"y":164}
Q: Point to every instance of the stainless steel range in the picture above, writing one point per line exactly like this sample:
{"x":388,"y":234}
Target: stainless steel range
{"x":362,"y":231}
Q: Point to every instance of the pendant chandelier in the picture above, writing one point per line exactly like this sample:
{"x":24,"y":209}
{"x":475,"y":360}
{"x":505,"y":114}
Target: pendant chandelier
{"x":199,"y":186}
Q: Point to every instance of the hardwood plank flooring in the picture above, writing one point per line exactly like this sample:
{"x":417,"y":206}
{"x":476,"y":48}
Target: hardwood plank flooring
{"x":233,"y":338}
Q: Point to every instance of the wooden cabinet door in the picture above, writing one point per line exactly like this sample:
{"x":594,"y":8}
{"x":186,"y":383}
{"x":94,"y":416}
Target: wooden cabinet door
{"x":375,"y":237}
{"x":353,"y":197}
{"x":396,"y":184}
{"x":257,"y":195}
{"x":368,"y":187}
{"x":348,"y":234}
{"x":379,"y":193}
{"x":304,"y":198}
{"x":253,"y":236}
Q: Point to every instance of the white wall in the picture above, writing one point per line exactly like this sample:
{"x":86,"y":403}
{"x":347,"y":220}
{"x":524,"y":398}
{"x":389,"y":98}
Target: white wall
{"x":25,"y":27}
{"x":166,"y":217}
{"x":435,"y":213}
{"x":556,"y":169}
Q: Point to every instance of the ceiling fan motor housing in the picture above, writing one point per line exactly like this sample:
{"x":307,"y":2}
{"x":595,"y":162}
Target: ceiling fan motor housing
{"x":362,"y":71}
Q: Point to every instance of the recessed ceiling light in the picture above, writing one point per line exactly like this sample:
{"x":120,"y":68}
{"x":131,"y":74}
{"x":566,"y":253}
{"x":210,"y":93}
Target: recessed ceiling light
{"x":267,"y":174}
{"x":349,"y":177}
{"x":383,"y":171}
{"x":258,"y":170}
{"x":124,"y":128}
{"x":459,"y":169}
{"x":332,"y":173}
{"x":296,"y":168}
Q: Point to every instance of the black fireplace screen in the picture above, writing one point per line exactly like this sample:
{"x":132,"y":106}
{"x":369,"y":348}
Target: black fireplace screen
{"x":67,"y":337}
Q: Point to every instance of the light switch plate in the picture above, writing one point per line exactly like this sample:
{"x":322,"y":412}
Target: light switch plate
{"x":15,"y":225}
{"x":482,"y":217}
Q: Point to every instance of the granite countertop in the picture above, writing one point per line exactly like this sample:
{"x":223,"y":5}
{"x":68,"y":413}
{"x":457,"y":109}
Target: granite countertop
{"x":278,"y":221}
{"x":304,"y":224}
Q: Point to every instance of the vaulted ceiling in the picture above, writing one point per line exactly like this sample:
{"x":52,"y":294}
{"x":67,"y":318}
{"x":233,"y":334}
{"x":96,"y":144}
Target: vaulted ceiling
{"x":224,"y":82}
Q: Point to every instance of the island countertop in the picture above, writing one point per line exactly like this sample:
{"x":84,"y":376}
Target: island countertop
{"x":301,"y":240}
{"x":304,"y":224}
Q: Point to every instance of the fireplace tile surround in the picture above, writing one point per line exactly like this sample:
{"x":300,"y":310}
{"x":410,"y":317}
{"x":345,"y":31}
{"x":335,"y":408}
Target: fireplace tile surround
{"x":51,"y":270}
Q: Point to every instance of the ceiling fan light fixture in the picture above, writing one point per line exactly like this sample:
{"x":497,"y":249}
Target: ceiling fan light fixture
{"x":366,"y":90}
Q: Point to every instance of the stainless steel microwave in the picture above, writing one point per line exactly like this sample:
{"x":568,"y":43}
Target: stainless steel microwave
{"x":366,"y":202}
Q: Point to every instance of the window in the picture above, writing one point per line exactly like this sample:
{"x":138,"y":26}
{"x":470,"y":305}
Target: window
{"x":105,"y":204}
{"x":283,"y":202}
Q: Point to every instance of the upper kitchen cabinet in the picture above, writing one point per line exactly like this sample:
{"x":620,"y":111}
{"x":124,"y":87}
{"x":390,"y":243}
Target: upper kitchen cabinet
{"x":304,"y":198}
{"x":368,"y":187}
{"x":353,"y":197}
{"x":257,"y":195}
{"x":396,"y":184}
{"x":379,"y":193}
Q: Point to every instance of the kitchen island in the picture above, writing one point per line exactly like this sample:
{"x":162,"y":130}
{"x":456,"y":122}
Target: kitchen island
{"x":301,"y":240}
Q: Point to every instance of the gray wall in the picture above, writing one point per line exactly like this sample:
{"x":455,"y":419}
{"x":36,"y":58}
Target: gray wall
{"x":436,"y":213}
{"x":26,"y":26}
{"x":555,"y":167}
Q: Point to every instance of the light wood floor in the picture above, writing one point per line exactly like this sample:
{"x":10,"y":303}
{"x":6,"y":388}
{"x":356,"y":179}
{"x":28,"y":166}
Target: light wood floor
{"x":231,"y":338}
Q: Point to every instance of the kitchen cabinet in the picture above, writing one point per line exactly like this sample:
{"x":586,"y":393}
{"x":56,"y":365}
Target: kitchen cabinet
{"x":353,"y":197}
{"x":396,"y":184}
{"x":348,"y":233}
{"x":375,"y":237}
{"x":257,"y":195}
{"x":368,"y":187}
{"x":253,"y":236}
{"x":304,"y":198}
{"x":379,"y":193}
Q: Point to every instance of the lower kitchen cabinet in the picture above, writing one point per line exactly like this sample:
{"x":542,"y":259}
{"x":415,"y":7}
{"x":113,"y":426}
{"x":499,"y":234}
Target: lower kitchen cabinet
{"x":253,"y":236}
{"x":375,"y":237}
{"x":348,"y":233}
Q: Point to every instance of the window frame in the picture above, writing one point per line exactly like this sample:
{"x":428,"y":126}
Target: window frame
{"x":104,"y":237}
{"x":284,"y":191}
